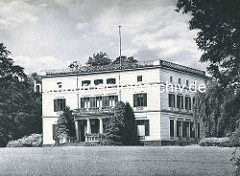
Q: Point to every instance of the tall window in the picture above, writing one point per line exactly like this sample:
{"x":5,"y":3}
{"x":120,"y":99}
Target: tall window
{"x":143,"y":127}
{"x":186,"y":129}
{"x":188,"y":103}
{"x":140,"y":99}
{"x":85,"y":102}
{"x":86,"y":82}
{"x":59,"y":104}
{"x":111,"y":81}
{"x":139,"y":78}
{"x":171,"y":79}
{"x":171,"y":100}
{"x":179,"y":80}
{"x":92,"y":101}
{"x":98,"y":81}
{"x":180,"y":101}
{"x":171,"y":128}
{"x":179,"y":128}
{"x":187,"y":83}
{"x":54,"y":128}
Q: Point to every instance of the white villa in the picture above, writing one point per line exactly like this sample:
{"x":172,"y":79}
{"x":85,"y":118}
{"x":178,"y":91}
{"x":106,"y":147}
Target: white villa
{"x":161,"y":94}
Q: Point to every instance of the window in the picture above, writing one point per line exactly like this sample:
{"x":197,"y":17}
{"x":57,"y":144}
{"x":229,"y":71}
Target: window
{"x":171,"y":79}
{"x":193,"y":100}
{"x":188,"y":103}
{"x":92,"y":101}
{"x":179,"y":80}
{"x":187,"y":83}
{"x":139,"y":78}
{"x":86,"y":82}
{"x":140,"y":99}
{"x":113,"y":100}
{"x":143,"y":127}
{"x":180,"y":101}
{"x":111,"y":81}
{"x":179,"y":128}
{"x":171,"y":128}
{"x":186,"y":129}
{"x":85,"y":102}
{"x":59,"y":84}
{"x":59,"y":104}
{"x":98,"y":81}
{"x":171,"y":100}
{"x":54,"y":128}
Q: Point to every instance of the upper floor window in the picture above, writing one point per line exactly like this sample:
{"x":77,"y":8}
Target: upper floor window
{"x":171,"y":79}
{"x":86,"y":82}
{"x":187,"y":83}
{"x":180,"y":101}
{"x":59,"y":84}
{"x":140,"y":99}
{"x":179,"y":80}
{"x":98,"y":81}
{"x":171,"y":100}
{"x":59,"y":104}
{"x":139,"y":78}
{"x":111,"y":81}
{"x":188,"y":103}
{"x":101,"y":101}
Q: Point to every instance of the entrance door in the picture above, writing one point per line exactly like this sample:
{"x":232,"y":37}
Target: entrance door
{"x":83,"y":129}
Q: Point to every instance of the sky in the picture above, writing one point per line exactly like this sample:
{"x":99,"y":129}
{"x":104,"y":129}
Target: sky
{"x":51,"y":34}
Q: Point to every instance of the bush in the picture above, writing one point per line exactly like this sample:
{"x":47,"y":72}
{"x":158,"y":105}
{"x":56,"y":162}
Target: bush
{"x":34,"y":140}
{"x":213,"y":141}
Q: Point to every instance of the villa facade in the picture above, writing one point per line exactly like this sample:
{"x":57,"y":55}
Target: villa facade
{"x":161,"y":94}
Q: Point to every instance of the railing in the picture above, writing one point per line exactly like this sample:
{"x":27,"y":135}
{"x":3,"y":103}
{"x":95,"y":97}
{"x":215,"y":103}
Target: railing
{"x":94,"y":111}
{"x":94,"y":138}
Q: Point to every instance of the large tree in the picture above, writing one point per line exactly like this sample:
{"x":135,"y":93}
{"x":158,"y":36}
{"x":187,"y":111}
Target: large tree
{"x":98,"y":59}
{"x":218,"y":24}
{"x":20,"y":106}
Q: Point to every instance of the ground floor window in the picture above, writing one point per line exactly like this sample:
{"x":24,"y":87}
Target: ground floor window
{"x":143,"y":127}
{"x":179,"y":128}
{"x":54,"y":128}
{"x":172,"y":128}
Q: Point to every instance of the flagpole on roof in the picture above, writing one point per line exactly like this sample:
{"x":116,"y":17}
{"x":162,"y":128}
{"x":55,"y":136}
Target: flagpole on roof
{"x":120,"y":50}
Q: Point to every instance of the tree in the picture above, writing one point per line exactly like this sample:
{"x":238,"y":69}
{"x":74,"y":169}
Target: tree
{"x":65,"y":123}
{"x":121,"y":129}
{"x":219,"y":36}
{"x":130,"y":129}
{"x":20,"y":106}
{"x":211,"y":110}
{"x":114,"y":131}
{"x":125,"y":60}
{"x":98,"y":59}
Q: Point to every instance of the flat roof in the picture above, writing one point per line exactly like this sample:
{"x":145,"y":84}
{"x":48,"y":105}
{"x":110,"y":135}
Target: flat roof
{"x":85,"y":70}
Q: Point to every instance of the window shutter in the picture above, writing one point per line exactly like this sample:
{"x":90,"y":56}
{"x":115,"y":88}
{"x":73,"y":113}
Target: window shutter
{"x":190,"y":103}
{"x":146,"y":127}
{"x":186,"y":102}
{"x":135,"y":100}
{"x":169,"y":100}
{"x":82,"y":102}
{"x":55,"y":105}
{"x":145,"y":99}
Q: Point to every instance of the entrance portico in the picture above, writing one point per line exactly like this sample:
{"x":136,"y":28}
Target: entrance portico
{"x":90,"y":122}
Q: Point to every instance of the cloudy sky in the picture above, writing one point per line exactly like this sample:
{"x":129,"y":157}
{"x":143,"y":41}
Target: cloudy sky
{"x":50,"y":34}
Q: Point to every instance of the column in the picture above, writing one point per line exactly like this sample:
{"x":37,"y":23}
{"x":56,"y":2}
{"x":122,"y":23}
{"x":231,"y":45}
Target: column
{"x":175,"y":128}
{"x":88,"y":126}
{"x":101,"y":126}
{"x":77,"y":130}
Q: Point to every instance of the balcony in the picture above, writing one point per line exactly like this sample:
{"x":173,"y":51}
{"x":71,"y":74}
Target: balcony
{"x":94,"y":111}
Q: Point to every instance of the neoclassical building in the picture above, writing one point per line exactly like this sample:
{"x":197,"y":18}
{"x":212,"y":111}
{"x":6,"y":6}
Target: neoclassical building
{"x":161,"y":94}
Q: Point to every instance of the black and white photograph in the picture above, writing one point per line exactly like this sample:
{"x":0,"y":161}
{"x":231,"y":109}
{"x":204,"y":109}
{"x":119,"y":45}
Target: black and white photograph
{"x":120,"y":87}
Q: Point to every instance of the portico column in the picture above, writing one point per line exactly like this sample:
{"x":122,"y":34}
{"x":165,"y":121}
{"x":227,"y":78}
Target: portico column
{"x":101,"y":126}
{"x":175,"y":128}
{"x":77,"y":130}
{"x":88,"y":126}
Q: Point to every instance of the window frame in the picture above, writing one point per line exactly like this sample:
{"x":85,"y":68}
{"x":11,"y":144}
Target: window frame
{"x":140,"y":100}
{"x":111,"y":79}
{"x":59,"y":104}
{"x":139,"y":78}
{"x":83,"y":82}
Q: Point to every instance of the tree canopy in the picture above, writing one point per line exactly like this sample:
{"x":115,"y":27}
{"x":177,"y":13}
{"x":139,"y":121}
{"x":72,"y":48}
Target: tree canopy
{"x":125,"y":60}
{"x":218,"y":23}
{"x":98,"y":59}
{"x":20,"y":106}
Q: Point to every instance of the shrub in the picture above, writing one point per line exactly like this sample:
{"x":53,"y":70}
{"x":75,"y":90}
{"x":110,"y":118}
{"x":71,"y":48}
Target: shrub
{"x":34,"y":140}
{"x":213,"y":141}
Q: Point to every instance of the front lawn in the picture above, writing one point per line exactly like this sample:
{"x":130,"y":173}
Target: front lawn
{"x":110,"y":160}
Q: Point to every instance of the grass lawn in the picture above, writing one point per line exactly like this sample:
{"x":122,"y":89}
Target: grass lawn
{"x":110,"y":160}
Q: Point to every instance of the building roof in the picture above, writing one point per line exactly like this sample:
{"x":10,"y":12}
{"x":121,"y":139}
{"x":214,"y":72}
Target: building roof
{"x":83,"y":70}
